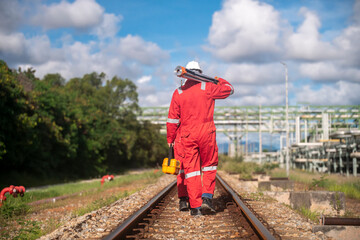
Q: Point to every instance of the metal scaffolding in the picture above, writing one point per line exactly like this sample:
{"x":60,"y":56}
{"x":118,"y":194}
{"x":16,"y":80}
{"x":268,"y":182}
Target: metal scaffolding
{"x":307,"y":124}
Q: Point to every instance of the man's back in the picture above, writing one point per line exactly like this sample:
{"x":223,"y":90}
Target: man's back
{"x":194,"y":104}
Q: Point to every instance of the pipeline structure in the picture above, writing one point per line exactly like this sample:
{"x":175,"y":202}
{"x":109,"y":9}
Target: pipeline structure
{"x":192,"y":75}
{"x":339,"y":221}
{"x":322,"y":138}
{"x":339,"y":154}
{"x":12,"y":190}
{"x":107,"y":177}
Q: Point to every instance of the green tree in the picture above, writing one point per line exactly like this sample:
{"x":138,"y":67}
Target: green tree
{"x":52,"y":130}
{"x":18,"y":119}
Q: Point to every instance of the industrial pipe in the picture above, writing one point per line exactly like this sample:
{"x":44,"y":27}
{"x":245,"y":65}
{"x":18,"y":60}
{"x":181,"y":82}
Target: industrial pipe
{"x":12,"y":190}
{"x":192,"y":75}
{"x":340,"y":221}
{"x":107,"y":177}
{"x":279,"y":178}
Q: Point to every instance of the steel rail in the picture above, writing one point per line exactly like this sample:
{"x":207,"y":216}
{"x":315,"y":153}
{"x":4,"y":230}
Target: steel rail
{"x":130,"y":223}
{"x":126,"y":227}
{"x":259,"y":227}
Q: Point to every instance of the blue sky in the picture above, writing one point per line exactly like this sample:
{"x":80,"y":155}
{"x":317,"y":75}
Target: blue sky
{"x":242,"y":41}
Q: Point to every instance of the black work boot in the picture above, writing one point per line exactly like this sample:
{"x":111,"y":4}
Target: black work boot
{"x":207,"y":206}
{"x":195,"y":212}
{"x":183,"y":204}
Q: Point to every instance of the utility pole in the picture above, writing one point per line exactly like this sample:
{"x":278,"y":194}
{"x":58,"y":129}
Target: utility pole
{"x":287,"y":120}
{"x":260,"y":142}
{"x":246,"y":147}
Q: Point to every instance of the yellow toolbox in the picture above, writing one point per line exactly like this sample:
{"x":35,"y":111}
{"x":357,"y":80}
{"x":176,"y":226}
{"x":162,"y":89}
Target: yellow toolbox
{"x":171,"y":165}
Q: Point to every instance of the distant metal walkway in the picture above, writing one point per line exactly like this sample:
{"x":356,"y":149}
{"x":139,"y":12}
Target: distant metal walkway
{"x":247,"y":118}
{"x":310,"y":125}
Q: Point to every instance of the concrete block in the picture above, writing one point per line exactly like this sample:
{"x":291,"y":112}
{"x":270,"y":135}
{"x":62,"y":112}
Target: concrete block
{"x":261,"y":177}
{"x":276,"y":185}
{"x":248,"y":186}
{"x":282,"y":197}
{"x":339,"y":232}
{"x":326,"y":203}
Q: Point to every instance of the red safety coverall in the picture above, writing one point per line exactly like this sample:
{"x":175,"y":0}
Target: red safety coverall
{"x":194,"y":103}
{"x":179,"y":155}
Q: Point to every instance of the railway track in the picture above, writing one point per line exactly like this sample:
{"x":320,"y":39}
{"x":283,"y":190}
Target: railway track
{"x":166,"y":222}
{"x":160,"y":219}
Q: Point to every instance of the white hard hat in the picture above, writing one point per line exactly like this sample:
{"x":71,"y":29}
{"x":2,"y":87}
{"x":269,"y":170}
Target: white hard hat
{"x":192,"y":65}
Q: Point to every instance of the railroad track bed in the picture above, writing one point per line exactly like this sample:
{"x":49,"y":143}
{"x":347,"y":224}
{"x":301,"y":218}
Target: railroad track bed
{"x":99,"y":223}
{"x":285,"y":221}
{"x":281,"y":221}
{"x":169,"y":223}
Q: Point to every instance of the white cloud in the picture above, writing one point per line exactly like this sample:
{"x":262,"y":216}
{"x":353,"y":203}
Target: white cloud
{"x":306,"y":44}
{"x":75,"y":59}
{"x":134,"y":47}
{"x":144,"y":79}
{"x":342,"y":92}
{"x":253,"y":95}
{"x":12,"y":44}
{"x":81,"y":14}
{"x":356,"y":15}
{"x":245,"y":30}
{"x":80,"y":58}
{"x":255,"y":73}
{"x":329,"y":71}
{"x":39,"y":50}
{"x":348,"y":43}
{"x":11,"y":15}
{"x":243,"y":33}
{"x":158,"y":98}
{"x":16,"y":48}
{"x":109,"y":27}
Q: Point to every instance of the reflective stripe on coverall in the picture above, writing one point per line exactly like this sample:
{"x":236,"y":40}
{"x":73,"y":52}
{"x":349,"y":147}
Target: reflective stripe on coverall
{"x":194,"y":103}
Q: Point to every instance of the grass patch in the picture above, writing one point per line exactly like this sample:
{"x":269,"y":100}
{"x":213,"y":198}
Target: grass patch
{"x":245,"y":169}
{"x":313,"y":216}
{"x":278,"y":173}
{"x":351,"y":190}
{"x":350,"y":186}
{"x":322,"y":182}
{"x":99,"y":203}
{"x":14,"y":214}
{"x":50,"y":226}
{"x":29,"y":230}
{"x":87,"y":186}
{"x":307,"y":213}
{"x":13,"y":207}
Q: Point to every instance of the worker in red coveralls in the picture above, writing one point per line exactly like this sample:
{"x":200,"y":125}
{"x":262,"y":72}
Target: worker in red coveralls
{"x":193,"y":105}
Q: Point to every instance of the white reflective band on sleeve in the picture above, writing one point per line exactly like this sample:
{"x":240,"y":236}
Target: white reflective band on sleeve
{"x":179,"y":90}
{"x":170,"y":120}
{"x":181,"y":171}
{"x":210,"y":168}
{"x":203,"y":85}
{"x":232,"y":89}
{"x":192,"y":174}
